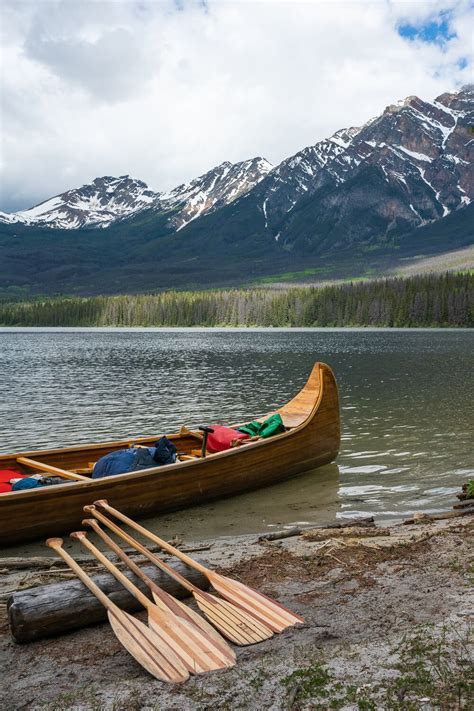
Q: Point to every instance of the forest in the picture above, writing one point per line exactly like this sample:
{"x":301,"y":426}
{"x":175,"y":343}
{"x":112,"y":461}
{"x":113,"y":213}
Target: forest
{"x":445,"y":300}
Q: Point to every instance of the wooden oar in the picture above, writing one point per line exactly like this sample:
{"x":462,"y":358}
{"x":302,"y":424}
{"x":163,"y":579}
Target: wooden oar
{"x":189,"y":643}
{"x":50,"y":469}
{"x":141,"y":642}
{"x":231,"y":621}
{"x":269,"y":612}
{"x":211,"y":640}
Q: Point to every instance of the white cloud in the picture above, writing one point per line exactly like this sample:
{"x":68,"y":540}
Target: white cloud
{"x":165,"y":90}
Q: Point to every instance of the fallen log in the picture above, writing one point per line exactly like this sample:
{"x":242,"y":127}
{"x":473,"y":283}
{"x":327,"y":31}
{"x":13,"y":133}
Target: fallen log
{"x":46,"y":562}
{"x":40,"y":562}
{"x":428,"y":518}
{"x":277,"y":535}
{"x":368,"y":522}
{"x":464,"y":504}
{"x":49,"y":610}
{"x":297,"y":531}
{"x":320,"y":534}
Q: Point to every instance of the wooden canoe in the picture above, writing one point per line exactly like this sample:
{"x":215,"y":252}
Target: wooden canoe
{"x":312,"y":439}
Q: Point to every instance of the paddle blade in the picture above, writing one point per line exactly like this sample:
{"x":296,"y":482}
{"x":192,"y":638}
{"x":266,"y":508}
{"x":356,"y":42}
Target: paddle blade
{"x":186,"y":613}
{"x":146,"y":647}
{"x":263,"y":608}
{"x":231,"y":621}
{"x":197,"y":651}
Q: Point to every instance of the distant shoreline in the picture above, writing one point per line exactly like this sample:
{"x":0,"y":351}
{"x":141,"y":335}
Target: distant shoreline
{"x":427,"y":300}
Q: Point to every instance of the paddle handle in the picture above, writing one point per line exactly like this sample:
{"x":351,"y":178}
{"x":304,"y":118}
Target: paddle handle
{"x":142,"y":549}
{"x":125,"y":558}
{"x":56,"y":544}
{"x":50,"y":469}
{"x":82,"y":537}
{"x":152,"y":537}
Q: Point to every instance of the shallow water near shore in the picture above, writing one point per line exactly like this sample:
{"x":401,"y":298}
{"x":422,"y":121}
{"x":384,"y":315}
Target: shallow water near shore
{"x":406,"y":408}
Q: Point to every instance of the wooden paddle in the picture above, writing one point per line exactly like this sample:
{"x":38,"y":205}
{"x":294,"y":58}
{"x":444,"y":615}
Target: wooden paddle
{"x":189,"y":643}
{"x":233,"y":622}
{"x":143,"y":644}
{"x":50,"y":469}
{"x":165,"y":601}
{"x":269,"y":612}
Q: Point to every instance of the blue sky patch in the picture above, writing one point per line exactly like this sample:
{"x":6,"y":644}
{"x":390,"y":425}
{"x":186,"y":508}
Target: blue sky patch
{"x":433,"y":31}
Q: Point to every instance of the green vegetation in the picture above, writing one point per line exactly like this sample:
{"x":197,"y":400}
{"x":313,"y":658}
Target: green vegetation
{"x":428,"y":300}
{"x":291,"y":276}
{"x":432,"y":668}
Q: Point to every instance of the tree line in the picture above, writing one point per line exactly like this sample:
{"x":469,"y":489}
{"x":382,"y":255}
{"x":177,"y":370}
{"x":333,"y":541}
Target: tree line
{"x":423,"y":300}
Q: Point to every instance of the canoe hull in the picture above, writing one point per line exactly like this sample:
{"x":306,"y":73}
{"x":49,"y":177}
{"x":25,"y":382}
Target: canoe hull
{"x":54,"y":510}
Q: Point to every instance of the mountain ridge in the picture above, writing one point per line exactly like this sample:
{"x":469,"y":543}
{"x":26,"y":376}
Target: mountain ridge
{"x":364,"y":196}
{"x":109,"y":198}
{"x":422,"y":125}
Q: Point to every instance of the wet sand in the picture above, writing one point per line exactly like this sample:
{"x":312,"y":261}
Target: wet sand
{"x":377,"y":607}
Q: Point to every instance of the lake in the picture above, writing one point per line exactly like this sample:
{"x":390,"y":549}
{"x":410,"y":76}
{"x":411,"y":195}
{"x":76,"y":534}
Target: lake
{"x":406,"y":407}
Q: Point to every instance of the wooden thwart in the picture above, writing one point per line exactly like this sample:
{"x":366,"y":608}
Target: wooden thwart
{"x":151,"y":651}
{"x":50,"y":469}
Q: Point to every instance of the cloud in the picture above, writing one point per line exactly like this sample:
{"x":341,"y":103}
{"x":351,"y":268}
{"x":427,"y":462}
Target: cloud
{"x":112,"y":67}
{"x":165,"y":90}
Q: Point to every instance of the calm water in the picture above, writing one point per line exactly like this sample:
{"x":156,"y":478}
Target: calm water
{"x":406,"y":396}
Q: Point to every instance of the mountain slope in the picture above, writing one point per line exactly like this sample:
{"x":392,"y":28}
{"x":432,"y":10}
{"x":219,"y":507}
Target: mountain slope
{"x":422,"y":151}
{"x":108,"y":199}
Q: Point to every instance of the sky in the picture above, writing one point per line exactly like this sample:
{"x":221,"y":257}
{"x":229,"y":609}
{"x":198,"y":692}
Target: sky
{"x":165,"y":90}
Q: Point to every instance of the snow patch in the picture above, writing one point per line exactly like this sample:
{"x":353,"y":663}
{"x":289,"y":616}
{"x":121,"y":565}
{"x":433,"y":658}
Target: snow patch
{"x":413,"y":154}
{"x":264,"y":208}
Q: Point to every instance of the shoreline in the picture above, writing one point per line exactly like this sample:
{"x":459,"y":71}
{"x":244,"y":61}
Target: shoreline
{"x":372,"y":599}
{"x":233,"y":329}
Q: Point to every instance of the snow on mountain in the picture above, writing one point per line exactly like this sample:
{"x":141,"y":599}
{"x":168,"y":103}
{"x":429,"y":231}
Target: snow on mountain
{"x":410,"y":165}
{"x":424,"y":150}
{"x":108,"y":199}
{"x":98,"y":204}
{"x":220,"y":186}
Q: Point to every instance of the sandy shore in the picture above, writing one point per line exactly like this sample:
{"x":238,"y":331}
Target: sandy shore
{"x":388,"y":619}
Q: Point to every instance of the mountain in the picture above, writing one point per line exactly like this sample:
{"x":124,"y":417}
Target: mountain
{"x":220,"y":186}
{"x":407,"y":167}
{"x":108,"y":199}
{"x":99,"y":203}
{"x":351,"y":205}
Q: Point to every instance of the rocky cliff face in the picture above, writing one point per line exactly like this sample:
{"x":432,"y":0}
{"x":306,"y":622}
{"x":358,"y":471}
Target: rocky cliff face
{"x":402,"y":169}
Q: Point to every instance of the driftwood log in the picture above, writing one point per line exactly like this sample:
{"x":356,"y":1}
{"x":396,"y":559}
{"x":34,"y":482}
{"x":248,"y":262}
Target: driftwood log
{"x":297,"y":531}
{"x":464,"y":504}
{"x":319,"y":534}
{"x":428,"y":518}
{"x":49,"y":610}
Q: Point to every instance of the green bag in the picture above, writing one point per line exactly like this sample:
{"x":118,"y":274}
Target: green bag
{"x":273,"y":425}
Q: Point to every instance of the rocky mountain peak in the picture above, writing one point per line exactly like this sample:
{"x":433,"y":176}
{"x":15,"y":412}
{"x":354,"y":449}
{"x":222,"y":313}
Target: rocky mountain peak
{"x":219,"y":186}
{"x":108,"y":198}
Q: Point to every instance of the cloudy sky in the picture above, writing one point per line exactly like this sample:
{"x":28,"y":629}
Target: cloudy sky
{"x":165,"y":90}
